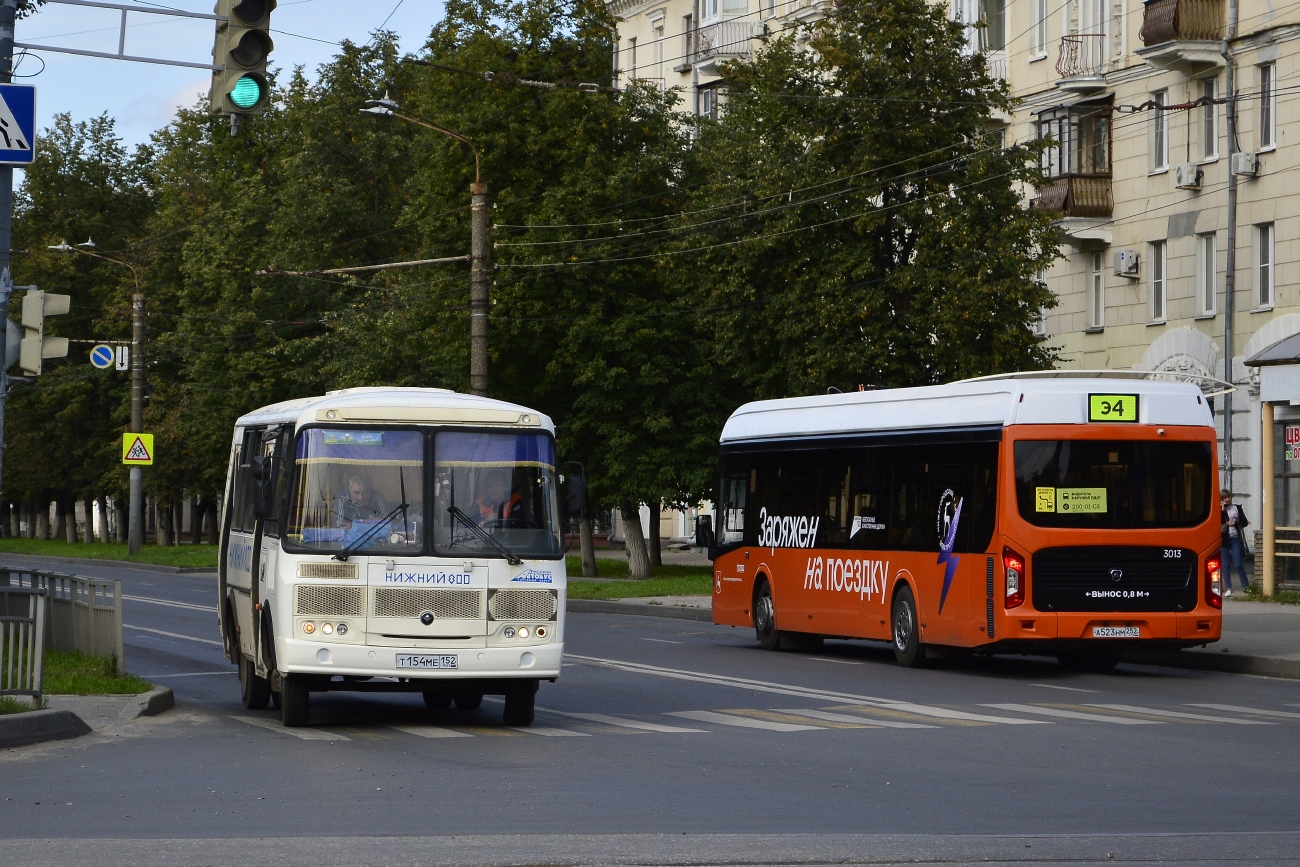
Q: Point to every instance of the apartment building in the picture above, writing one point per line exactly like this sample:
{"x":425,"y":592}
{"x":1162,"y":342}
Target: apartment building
{"x":1140,"y":178}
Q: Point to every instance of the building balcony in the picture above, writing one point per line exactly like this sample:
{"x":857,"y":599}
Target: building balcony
{"x":723,"y":41}
{"x":1077,"y":196}
{"x":1183,"y":35}
{"x":1082,"y":62}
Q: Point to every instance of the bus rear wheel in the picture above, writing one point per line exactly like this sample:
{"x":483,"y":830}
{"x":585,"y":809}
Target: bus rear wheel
{"x":765,"y":617}
{"x":255,"y":691}
{"x":519,"y":705}
{"x":295,"y":701}
{"x":906,"y":631}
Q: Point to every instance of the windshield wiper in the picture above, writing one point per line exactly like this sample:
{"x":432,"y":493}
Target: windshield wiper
{"x":484,"y":535}
{"x":351,"y":549}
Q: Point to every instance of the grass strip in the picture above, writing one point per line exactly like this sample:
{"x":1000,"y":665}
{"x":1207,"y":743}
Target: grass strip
{"x":15,"y":704}
{"x":609,"y":567}
{"x":182,"y":556}
{"x":677,"y":585}
{"x":72,"y":672}
{"x":1255,"y":593}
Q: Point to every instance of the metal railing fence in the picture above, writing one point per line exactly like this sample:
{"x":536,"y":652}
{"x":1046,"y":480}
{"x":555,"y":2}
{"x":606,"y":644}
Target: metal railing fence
{"x":82,"y":614}
{"x":22,"y":642}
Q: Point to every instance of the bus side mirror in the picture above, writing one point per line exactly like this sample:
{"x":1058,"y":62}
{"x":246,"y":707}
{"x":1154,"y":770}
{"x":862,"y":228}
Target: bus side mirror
{"x":575,"y":496}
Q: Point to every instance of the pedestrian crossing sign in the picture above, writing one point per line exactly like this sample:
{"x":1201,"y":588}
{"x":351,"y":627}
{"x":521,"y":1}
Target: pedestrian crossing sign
{"x":17,"y":124}
{"x":137,"y":449}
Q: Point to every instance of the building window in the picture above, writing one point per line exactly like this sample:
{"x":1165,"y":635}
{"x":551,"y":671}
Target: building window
{"x":1040,"y":28}
{"x":1264,"y":275}
{"x":659,"y":54}
{"x":709,"y":102}
{"x":631,"y":57}
{"x":1097,"y":292}
{"x":1207,"y":273}
{"x":1159,"y":282}
{"x":688,"y":38}
{"x":709,"y":9}
{"x":1267,"y":106}
{"x":985,"y":22}
{"x":735,"y":7}
{"x":1160,"y":132}
{"x":1079,"y":140}
{"x":1040,"y":321}
{"x":1210,"y":119}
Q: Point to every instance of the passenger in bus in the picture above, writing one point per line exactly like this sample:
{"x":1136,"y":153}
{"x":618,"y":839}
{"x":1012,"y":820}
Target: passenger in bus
{"x":361,"y":503}
{"x":498,"y":503}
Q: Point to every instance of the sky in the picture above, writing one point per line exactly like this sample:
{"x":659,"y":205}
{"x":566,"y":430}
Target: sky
{"x":143,"y":97}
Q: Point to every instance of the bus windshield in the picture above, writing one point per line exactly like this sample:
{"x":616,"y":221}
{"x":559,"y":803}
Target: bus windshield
{"x":495,"y":491}
{"x":351,"y":489}
{"x":1113,"y":484}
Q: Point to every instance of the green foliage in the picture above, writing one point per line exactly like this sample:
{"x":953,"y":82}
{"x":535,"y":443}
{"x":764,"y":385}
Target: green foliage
{"x":681,"y":585}
{"x":71,"y":672}
{"x":13,"y":704}
{"x":181,"y":556}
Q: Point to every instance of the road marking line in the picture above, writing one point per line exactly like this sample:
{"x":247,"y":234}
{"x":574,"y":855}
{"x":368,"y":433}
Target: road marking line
{"x":801,"y":692}
{"x":1066,"y":688}
{"x":431,"y":732}
{"x":152,"y":601}
{"x":709,"y":716}
{"x":172,"y":634}
{"x":850,"y":718}
{"x":661,"y":640}
{"x":303,"y":734}
{"x":1074,"y":714}
{"x":1238,"y":709}
{"x":552,"y":733}
{"x":186,"y":674}
{"x":625,"y":723}
{"x":838,"y":661}
{"x":793,"y":715}
{"x":1180,"y":715}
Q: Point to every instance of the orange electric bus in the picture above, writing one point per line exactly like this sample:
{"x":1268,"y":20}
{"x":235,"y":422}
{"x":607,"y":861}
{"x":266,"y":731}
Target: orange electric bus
{"x":1071,"y":516}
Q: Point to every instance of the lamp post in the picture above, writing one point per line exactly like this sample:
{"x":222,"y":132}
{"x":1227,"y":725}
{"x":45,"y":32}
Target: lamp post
{"x":480,"y":246}
{"x":135,"y":531}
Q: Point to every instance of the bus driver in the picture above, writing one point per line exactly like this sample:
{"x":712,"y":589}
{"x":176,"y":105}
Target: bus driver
{"x":498,"y":503}
{"x":361,"y":503}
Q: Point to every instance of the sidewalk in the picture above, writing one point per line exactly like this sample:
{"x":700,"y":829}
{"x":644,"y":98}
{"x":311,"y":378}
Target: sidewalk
{"x":1261,"y":638}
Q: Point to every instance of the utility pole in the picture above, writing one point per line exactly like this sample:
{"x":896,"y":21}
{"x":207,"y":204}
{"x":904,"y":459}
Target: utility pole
{"x":8,"y":12}
{"x":1230,"y":263}
{"x":480,"y":282}
{"x":135,"y":522}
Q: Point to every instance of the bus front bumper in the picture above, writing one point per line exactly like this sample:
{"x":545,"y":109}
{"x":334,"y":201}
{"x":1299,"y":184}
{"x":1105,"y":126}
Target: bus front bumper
{"x":323,"y":658}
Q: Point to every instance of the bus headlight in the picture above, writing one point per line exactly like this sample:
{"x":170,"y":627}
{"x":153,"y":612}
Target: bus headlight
{"x":508,"y":632}
{"x":342,"y":629}
{"x":309,"y":627}
{"x":326,"y":629}
{"x":1015,"y":567}
{"x":540,"y":632}
{"x":523,"y":632}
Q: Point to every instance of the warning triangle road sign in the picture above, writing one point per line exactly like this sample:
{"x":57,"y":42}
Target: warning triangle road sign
{"x":137,"y":449}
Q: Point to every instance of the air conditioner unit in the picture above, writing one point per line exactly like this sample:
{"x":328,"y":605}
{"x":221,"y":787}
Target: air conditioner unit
{"x":1187,"y":176}
{"x":1245,"y":164}
{"x":1126,"y":263}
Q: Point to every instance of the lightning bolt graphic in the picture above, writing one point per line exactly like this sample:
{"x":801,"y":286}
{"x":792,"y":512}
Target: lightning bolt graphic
{"x":946,"y":557}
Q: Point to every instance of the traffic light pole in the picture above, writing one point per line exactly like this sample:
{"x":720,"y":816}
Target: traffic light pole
{"x":8,"y":12}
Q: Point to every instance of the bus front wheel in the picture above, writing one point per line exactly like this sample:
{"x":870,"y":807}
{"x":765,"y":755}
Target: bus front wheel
{"x":908,"y":649}
{"x":255,"y":691}
{"x":519,"y":705}
{"x":765,"y":617}
{"x":295,"y":701}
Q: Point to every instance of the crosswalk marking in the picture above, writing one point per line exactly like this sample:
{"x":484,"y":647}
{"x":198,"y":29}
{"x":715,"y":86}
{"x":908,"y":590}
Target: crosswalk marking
{"x":1255,"y":710}
{"x":431,"y":732}
{"x":1128,"y":708}
{"x":947,"y":713}
{"x":170,"y":604}
{"x":624,"y":723}
{"x":849,"y":718}
{"x":305,"y":734}
{"x":172,"y":634}
{"x":1066,"y":688}
{"x":743,"y":722}
{"x":547,"y":732}
{"x":800,"y":718}
{"x":1074,"y":714}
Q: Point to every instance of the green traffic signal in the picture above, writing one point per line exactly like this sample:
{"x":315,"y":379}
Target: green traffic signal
{"x":247,"y":92}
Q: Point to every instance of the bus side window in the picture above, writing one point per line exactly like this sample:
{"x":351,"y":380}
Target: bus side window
{"x":241,"y":517}
{"x":983,"y":498}
{"x":868,"y":511}
{"x":279,"y":448}
{"x":833,"y":485}
{"x":911,"y":521}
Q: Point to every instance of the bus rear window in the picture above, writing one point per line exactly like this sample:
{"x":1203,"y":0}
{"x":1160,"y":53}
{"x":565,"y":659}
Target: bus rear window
{"x":1113,"y":484}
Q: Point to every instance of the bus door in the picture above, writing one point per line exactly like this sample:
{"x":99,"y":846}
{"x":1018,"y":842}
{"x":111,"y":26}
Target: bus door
{"x":240,"y":526}
{"x":270,"y":473}
{"x":949,"y":573}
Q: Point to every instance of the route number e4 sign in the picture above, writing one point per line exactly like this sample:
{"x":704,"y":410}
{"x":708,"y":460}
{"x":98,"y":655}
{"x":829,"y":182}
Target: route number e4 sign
{"x":137,"y":449}
{"x":1113,"y":407}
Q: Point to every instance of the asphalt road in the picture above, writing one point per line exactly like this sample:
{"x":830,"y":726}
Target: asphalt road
{"x":670,"y":742}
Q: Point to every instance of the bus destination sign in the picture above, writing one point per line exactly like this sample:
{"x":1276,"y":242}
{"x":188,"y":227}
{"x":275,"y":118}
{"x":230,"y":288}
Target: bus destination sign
{"x":1113,"y":407}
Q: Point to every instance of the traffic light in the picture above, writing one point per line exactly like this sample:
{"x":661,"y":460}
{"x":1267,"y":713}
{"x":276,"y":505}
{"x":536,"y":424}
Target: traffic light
{"x":36,"y":347}
{"x":242,"y":45}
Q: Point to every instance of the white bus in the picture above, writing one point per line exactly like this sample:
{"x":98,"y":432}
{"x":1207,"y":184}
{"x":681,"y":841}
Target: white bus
{"x":393,"y":539}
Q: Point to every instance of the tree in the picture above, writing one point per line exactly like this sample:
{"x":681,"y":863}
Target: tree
{"x":863,"y":225}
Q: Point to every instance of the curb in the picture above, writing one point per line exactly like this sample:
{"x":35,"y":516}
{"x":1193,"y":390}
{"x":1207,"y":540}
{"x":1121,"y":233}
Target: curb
{"x":1228,"y":663}
{"x":157,"y":700}
{"x":38,"y":726}
{"x":126,"y":564}
{"x":608,"y":606}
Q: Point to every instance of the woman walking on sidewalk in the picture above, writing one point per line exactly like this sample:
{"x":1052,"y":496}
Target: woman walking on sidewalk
{"x":1232,"y":519}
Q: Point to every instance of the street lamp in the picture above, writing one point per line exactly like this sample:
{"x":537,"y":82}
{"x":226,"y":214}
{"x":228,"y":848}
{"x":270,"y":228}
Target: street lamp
{"x":135,"y":531}
{"x":480,"y":245}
